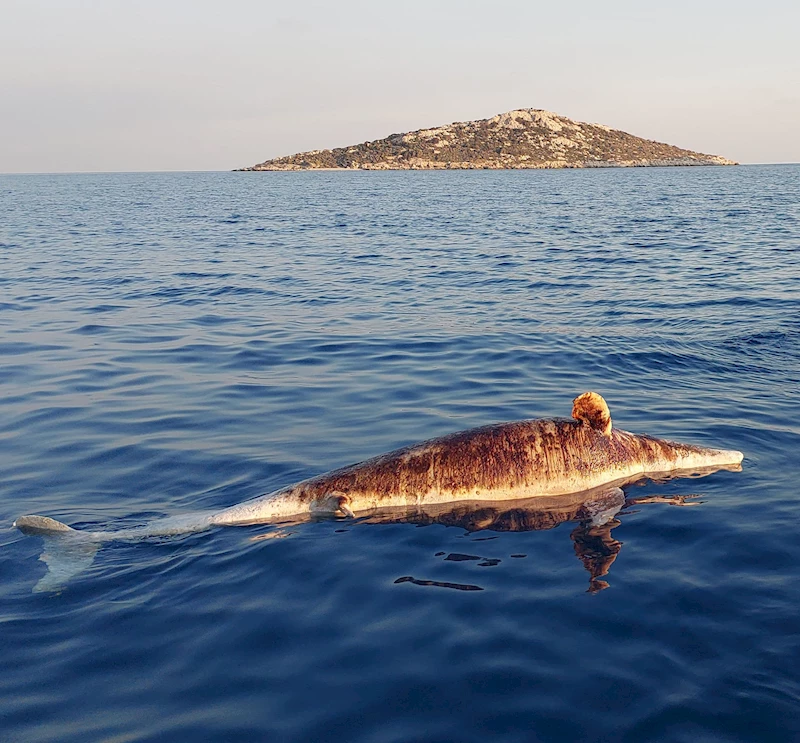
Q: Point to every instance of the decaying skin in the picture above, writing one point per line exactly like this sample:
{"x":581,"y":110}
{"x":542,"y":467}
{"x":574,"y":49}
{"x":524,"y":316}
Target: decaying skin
{"x":552,"y":469}
{"x":524,"y":459}
{"x":592,"y":409}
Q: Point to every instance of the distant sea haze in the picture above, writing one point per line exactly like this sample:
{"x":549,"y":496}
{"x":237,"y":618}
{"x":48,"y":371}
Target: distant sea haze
{"x":181,"y":342}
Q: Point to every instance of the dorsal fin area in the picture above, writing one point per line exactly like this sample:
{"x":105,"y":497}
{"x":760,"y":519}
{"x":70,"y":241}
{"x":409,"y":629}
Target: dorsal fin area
{"x":591,"y":408}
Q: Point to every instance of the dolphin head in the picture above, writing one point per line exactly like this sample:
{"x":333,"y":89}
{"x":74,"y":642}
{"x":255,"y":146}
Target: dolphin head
{"x":653,"y":454}
{"x":659,"y":455}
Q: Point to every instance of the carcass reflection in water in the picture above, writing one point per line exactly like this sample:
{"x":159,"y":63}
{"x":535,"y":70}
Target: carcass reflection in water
{"x":595,"y":512}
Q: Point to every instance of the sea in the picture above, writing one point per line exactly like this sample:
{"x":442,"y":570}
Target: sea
{"x":175,"y":342}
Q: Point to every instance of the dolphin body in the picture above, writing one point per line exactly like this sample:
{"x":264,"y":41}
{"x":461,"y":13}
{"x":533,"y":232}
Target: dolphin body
{"x":539,"y":458}
{"x":504,"y":461}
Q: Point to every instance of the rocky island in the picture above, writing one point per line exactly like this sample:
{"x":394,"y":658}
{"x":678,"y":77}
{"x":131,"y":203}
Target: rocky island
{"x":524,"y":138}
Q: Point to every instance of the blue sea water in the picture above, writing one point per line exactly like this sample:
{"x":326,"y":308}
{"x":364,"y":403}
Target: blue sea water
{"x":179,"y":342}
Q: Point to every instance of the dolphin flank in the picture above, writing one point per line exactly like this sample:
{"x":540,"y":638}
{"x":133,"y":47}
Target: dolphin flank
{"x":523,"y":459}
{"x":505,"y":461}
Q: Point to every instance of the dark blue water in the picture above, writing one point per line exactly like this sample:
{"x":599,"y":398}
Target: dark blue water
{"x":173,"y":342}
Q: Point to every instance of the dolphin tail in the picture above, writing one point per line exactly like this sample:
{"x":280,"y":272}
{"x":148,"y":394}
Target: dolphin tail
{"x":66,"y":552}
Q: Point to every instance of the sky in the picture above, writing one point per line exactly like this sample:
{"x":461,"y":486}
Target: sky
{"x":142,"y":85}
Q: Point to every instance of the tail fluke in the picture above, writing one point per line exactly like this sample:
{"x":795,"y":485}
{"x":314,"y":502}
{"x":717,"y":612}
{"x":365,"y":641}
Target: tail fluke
{"x":66,"y":553}
{"x":42,"y":525}
{"x":65,"y":557}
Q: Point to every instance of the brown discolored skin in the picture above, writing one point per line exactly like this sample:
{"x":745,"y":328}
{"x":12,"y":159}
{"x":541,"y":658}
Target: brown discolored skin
{"x":508,"y":460}
{"x":478,"y":469}
{"x":524,"y":459}
{"x":591,"y":408}
{"x":510,"y":456}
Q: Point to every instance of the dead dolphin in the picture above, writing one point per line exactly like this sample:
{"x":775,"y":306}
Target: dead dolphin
{"x":538,"y":458}
{"x":523,"y":459}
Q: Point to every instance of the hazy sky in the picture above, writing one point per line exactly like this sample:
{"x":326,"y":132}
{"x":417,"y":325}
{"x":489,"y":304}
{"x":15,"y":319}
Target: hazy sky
{"x":197,"y":85}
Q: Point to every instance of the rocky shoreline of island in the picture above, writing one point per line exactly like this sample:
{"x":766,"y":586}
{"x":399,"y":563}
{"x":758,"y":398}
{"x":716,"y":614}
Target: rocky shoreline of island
{"x":523,"y":139}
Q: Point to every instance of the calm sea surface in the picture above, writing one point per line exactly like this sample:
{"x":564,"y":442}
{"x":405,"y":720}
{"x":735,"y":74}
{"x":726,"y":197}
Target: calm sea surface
{"x":175,"y":342}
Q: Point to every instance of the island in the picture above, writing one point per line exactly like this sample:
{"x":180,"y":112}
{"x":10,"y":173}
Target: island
{"x":521,"y":139}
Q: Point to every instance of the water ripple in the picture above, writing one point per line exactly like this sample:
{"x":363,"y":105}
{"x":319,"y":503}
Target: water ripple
{"x":182,"y":342}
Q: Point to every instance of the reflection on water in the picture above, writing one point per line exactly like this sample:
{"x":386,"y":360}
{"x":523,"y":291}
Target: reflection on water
{"x":439,"y":584}
{"x":593,"y":510}
{"x":160,"y":355}
{"x":596,"y":512}
{"x":597,"y":550}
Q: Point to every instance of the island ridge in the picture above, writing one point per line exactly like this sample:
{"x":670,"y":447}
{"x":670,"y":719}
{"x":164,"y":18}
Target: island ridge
{"x":520,"y":139}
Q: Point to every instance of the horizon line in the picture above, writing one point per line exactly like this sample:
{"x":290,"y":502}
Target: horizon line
{"x":356,"y":170}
